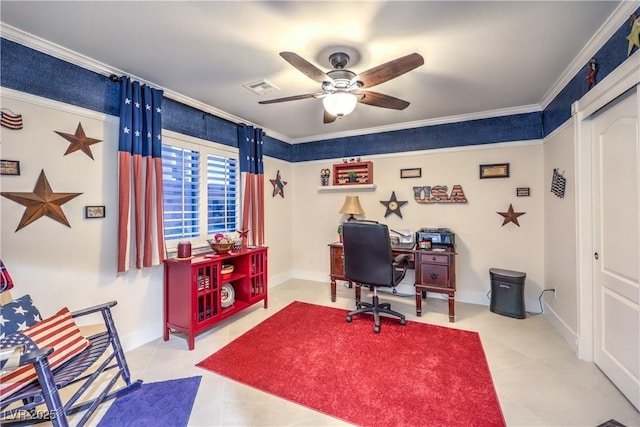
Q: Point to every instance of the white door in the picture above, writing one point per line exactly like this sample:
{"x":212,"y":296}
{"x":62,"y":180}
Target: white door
{"x":616,"y":263}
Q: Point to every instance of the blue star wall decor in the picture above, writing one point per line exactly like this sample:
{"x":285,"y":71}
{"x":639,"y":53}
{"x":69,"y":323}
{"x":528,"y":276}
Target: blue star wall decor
{"x":278,"y":185}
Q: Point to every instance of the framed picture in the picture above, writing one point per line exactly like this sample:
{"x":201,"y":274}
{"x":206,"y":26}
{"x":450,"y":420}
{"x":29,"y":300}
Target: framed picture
{"x":9,"y":167}
{"x":94,"y":212}
{"x":495,"y":170}
{"x":411,"y":173}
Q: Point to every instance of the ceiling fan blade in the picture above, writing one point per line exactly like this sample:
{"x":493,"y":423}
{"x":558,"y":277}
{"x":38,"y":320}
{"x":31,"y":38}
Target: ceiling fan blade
{"x":289,"y":98}
{"x":328,"y":118}
{"x":306,"y":67}
{"x":381,"y":100}
{"x":389,"y":70}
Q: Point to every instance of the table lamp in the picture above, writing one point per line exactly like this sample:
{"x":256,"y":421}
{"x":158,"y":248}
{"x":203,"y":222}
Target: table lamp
{"x":351,"y":207}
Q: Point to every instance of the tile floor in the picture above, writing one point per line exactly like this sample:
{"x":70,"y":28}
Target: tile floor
{"x":538,"y":378}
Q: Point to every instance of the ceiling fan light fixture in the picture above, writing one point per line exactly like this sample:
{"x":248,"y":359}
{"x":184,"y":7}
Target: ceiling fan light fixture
{"x":340,"y":104}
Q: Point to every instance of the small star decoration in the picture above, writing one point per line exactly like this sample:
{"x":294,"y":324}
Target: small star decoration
{"x":278,"y":186}
{"x":393,"y":205}
{"x":510,"y":216}
{"x":634,"y":35}
{"x":243,"y":235}
{"x":79,"y":141}
{"x":41,"y":202}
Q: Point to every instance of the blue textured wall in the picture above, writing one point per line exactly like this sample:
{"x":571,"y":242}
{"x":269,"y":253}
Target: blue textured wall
{"x":474,"y":132}
{"x":608,"y":58}
{"x":30,"y":71}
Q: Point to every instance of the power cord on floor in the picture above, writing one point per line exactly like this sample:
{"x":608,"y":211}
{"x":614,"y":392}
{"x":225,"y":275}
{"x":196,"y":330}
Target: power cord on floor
{"x":539,"y":300}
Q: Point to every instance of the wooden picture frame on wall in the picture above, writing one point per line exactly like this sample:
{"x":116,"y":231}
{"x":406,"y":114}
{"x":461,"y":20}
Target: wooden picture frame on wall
{"x":9,"y":167}
{"x":94,"y":212}
{"x":411,"y":173}
{"x":494,"y":170}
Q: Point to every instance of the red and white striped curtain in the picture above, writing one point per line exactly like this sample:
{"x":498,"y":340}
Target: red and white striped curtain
{"x":140,"y":214}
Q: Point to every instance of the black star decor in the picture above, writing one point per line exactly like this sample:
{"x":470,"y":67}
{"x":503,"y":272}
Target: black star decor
{"x":393,"y":205}
{"x":510,"y":216}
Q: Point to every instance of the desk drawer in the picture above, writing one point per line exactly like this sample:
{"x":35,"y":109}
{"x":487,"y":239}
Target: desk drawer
{"x":434,"y":274}
{"x":440,"y":259}
{"x":337,"y":261}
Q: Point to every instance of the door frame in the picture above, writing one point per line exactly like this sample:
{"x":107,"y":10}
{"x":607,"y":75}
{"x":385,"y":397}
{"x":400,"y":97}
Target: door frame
{"x":623,"y":78}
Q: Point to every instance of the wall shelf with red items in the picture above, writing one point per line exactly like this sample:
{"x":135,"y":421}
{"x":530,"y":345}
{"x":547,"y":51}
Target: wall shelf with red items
{"x":363,"y":173}
{"x":193,"y":289}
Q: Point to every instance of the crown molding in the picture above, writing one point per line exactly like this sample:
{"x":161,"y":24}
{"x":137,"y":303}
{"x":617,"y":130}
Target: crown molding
{"x":525,"y":109}
{"x":604,"y":33}
{"x":56,"y":105}
{"x":62,"y":53}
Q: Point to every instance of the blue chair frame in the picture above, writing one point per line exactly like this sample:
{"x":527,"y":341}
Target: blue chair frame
{"x":22,"y":408}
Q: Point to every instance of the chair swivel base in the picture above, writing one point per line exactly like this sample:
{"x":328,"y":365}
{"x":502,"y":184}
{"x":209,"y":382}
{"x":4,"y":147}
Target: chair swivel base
{"x":376,"y":308}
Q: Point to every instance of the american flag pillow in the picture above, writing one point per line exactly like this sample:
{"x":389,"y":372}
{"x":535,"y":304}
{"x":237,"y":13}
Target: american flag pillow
{"x":58,"y":331}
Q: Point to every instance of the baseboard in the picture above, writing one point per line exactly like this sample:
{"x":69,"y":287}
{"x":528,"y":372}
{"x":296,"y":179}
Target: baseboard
{"x":279,"y":279}
{"x":563,"y":329}
{"x":141,"y":337}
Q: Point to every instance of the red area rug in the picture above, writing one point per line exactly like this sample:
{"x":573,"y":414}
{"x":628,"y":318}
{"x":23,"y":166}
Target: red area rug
{"x":412,"y":375}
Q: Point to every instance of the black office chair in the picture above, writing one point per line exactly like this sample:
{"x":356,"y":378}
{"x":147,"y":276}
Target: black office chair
{"x":368,"y":261}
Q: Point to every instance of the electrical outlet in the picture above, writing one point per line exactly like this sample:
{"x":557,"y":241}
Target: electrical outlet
{"x":555,"y":294}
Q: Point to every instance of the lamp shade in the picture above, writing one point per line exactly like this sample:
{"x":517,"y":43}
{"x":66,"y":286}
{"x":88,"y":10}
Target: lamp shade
{"x":351,"y":207}
{"x":340,"y":103}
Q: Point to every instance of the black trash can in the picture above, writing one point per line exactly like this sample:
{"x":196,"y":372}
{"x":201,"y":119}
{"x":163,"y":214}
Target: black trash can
{"x":507,"y":292}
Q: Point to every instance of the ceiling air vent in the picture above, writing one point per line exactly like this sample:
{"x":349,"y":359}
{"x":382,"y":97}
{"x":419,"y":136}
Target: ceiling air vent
{"x":262,"y":87}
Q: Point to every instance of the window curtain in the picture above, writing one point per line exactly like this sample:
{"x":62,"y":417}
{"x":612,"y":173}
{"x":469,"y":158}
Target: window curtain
{"x":252,"y":179}
{"x":140,"y":215}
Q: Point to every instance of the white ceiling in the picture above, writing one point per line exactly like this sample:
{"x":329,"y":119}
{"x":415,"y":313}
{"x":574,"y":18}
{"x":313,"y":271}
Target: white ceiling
{"x":481,"y":58}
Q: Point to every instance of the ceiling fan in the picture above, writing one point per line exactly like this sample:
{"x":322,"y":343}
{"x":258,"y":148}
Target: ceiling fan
{"x":342,"y":88}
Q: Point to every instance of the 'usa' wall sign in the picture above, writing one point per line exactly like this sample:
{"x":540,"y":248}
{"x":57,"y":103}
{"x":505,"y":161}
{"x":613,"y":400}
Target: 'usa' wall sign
{"x":439,"y":194}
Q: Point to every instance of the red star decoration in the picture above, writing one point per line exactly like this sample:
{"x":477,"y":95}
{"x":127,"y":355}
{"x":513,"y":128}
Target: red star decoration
{"x":79,"y":141}
{"x":243,"y":235}
{"x":41,"y":202}
{"x":510,"y":216}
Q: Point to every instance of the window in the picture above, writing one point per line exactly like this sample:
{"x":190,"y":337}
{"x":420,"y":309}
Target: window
{"x":201,"y":190}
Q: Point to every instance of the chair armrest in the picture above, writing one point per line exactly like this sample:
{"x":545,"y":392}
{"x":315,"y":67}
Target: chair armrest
{"x":29,"y":358}
{"x":400,"y":258}
{"x":94,"y":309}
{"x":34,"y":356}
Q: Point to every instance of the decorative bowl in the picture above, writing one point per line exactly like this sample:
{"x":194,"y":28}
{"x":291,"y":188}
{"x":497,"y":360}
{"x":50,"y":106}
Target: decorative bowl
{"x":226,"y":270}
{"x":221,"y":248}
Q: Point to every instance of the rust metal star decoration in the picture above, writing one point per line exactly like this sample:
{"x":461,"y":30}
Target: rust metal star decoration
{"x":79,"y":141}
{"x":510,"y":216}
{"x":41,"y":202}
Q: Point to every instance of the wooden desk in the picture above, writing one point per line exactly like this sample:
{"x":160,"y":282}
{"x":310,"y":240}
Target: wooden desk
{"x":435,"y":272}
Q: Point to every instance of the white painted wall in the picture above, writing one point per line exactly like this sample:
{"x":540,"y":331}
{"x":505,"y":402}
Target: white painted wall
{"x":75,"y":267}
{"x":482,"y":241}
{"x":560,"y":234}
{"x":71,"y":266}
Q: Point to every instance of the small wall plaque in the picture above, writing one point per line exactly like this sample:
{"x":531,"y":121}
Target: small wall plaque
{"x":496,"y":170}
{"x":9,"y":167}
{"x":411,"y":173}
{"x":94,"y":212}
{"x":523,"y":191}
